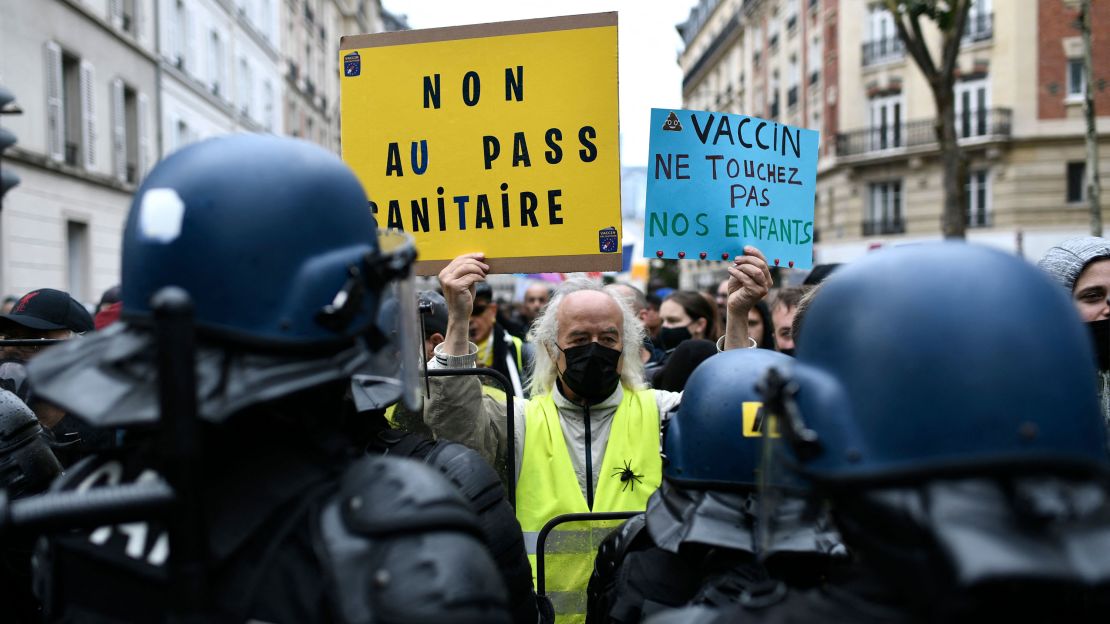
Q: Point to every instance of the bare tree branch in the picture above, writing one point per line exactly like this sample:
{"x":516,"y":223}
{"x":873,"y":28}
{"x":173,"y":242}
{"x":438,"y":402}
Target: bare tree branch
{"x":915,"y":44}
{"x":953,"y":37}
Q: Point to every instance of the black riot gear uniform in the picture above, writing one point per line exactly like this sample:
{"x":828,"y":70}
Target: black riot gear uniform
{"x":480,"y":486}
{"x":267,"y":246}
{"x":27,"y":466}
{"x":968,"y":475}
{"x":705,"y":538}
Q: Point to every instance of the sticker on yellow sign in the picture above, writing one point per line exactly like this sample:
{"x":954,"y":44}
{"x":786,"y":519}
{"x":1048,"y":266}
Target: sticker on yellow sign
{"x":500,"y":138}
{"x":756,"y":420}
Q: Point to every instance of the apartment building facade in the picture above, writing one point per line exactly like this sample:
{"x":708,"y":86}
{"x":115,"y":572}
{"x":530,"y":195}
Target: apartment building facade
{"x":108,"y":87}
{"x":310,"y":47}
{"x":837,"y":66}
{"x":220,"y":68}
{"x":84,"y":73}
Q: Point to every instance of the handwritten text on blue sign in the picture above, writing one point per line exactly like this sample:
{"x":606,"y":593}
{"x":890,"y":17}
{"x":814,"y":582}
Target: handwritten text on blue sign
{"x":717,"y":182}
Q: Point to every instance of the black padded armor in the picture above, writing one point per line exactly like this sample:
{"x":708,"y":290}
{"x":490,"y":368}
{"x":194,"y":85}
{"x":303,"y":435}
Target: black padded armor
{"x":27,"y":465}
{"x":480,"y":485}
{"x":404,"y":546}
{"x":376,"y":541}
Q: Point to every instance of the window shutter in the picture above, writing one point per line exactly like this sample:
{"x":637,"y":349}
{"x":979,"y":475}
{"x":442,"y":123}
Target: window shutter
{"x":119,"y":131}
{"x":88,"y":114}
{"x":188,"y":44}
{"x":169,"y":27}
{"x":55,"y":120}
{"x":144,"y":135}
{"x":115,"y":13}
{"x":138,"y":20}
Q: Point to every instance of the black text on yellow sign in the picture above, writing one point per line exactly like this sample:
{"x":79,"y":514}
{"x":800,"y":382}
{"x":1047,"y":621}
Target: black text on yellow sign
{"x":499,"y":138}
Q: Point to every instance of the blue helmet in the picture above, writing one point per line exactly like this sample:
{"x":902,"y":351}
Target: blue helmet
{"x":274,"y":242}
{"x":942,"y":358}
{"x":262,"y":232}
{"x":715,"y":438}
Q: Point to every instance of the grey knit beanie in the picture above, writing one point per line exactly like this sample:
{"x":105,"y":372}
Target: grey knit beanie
{"x":1068,"y":259}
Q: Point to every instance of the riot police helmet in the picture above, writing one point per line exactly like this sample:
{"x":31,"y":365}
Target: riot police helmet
{"x":273,"y":241}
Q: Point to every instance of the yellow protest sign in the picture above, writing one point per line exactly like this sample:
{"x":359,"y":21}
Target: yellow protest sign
{"x":500,"y":138}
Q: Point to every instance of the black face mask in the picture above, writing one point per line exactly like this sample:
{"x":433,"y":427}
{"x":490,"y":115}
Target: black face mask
{"x":789,"y":352}
{"x":1100,"y":334}
{"x":591,"y":371}
{"x":671,"y":337}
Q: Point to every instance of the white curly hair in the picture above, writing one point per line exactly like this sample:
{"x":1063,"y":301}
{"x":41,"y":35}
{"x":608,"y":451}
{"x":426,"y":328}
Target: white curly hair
{"x":545,"y":332}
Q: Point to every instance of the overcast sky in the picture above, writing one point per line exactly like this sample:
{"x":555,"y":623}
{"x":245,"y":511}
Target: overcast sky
{"x":649,"y":46}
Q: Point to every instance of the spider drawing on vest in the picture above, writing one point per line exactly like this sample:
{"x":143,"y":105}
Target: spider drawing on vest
{"x":628,"y":477}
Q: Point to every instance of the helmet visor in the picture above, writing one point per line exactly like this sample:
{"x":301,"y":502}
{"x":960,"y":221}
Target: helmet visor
{"x":394,"y":373}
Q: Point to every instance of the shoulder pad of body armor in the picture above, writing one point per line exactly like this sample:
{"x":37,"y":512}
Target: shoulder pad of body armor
{"x":612,"y":551}
{"x":464,"y":467}
{"x":385,"y":495}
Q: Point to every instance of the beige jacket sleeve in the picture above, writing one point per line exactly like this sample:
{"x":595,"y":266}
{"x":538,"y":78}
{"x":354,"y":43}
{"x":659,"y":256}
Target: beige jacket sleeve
{"x":459,"y":411}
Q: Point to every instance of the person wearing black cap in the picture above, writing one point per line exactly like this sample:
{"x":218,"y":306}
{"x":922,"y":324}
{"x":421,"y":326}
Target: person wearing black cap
{"x":43,"y":314}
{"x":433,"y":308}
{"x":497,"y":348}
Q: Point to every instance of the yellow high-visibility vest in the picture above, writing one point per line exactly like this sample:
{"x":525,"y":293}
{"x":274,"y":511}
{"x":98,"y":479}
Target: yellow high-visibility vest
{"x":628,"y":474}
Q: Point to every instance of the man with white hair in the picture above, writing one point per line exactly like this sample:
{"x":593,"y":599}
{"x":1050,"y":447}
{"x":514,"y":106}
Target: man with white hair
{"x":588,"y":439}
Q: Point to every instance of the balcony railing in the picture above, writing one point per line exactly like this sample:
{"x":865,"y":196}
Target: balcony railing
{"x":979,"y":218}
{"x":980,"y":27}
{"x":994,"y":122}
{"x":888,"y":225}
{"x":881,"y":50}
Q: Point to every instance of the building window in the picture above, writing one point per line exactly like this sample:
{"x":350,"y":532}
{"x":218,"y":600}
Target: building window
{"x":885,"y":130}
{"x":814,"y":60}
{"x":774,"y":107}
{"x":245,"y":87}
{"x":77,"y":260}
{"x":978,"y":199}
{"x":182,"y":135}
{"x":182,"y":34}
{"x":980,"y":25}
{"x":1077,"y":80}
{"x":266,"y":19}
{"x":1077,"y":182}
{"x":793,"y":77}
{"x":972,"y":106}
{"x":882,"y":42}
{"x":124,"y":15}
{"x":268,"y":106}
{"x":129,"y":140}
{"x":70,"y":108}
{"x":884,"y":209}
{"x":215,"y":63}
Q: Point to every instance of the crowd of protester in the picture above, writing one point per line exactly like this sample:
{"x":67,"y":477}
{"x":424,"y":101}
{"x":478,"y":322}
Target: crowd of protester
{"x":918,"y":436}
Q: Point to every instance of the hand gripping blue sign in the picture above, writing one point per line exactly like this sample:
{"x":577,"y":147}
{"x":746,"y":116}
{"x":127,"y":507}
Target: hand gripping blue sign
{"x":718,"y":182}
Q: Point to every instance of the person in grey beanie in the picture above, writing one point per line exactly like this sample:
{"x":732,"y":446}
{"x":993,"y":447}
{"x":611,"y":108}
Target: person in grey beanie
{"x":1082,"y":266}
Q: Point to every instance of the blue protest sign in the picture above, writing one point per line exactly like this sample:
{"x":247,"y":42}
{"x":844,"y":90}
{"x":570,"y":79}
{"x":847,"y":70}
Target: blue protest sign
{"x":717,"y":182}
